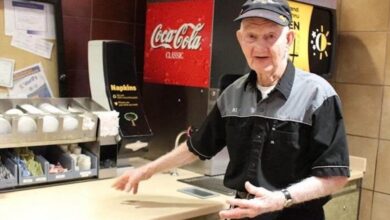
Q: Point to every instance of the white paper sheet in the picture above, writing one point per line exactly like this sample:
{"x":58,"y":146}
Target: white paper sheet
{"x":33,"y":45}
{"x":30,"y":18}
{"x":6,"y":72}
{"x":30,"y":82}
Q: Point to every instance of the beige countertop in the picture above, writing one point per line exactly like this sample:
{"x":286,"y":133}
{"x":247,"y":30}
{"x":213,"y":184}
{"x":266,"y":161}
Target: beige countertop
{"x":157,"y":198}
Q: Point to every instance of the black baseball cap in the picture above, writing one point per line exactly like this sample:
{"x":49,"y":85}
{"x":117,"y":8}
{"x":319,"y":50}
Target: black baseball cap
{"x":275,"y":10}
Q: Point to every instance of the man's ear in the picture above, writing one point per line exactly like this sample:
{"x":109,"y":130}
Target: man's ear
{"x":290,"y":37}
{"x":239,"y":36}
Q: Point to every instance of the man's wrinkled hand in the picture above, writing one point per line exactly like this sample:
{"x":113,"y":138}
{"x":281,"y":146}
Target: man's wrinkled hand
{"x":129,"y":180}
{"x":265,"y":201}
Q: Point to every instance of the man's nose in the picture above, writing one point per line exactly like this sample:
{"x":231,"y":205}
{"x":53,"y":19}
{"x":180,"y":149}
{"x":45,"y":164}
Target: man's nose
{"x":259,"y":45}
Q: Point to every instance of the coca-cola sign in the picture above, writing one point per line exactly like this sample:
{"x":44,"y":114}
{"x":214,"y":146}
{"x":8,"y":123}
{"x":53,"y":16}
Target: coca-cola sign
{"x":178,"y":42}
{"x":185,"y":37}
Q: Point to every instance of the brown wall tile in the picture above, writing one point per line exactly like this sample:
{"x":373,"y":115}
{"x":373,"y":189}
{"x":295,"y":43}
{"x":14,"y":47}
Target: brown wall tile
{"x":78,"y":82}
{"x":382,"y":177}
{"x":76,"y":35}
{"x":140,"y":12}
{"x":385,"y":121}
{"x":363,"y":15}
{"x":107,"y":30}
{"x":114,"y":10}
{"x":361,"y":57}
{"x":366,"y":148}
{"x":387,"y":66}
{"x":139,"y":38}
{"x":338,"y":14}
{"x":139,"y":45}
{"x":365,"y":204}
{"x":361,"y":107}
{"x":380,"y":207}
{"x":388,"y":28}
{"x":77,"y":8}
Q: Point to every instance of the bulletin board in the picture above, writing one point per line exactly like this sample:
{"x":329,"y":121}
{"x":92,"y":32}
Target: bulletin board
{"x":36,"y":54}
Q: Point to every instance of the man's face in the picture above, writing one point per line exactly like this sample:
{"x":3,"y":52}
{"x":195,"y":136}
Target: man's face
{"x":265,"y":44}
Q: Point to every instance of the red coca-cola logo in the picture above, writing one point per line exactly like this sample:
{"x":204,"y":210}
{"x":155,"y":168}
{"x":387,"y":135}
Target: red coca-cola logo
{"x":185,"y":37}
{"x":178,"y":42}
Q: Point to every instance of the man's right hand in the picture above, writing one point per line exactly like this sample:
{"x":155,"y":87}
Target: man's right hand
{"x":129,"y":180}
{"x":179,"y":156}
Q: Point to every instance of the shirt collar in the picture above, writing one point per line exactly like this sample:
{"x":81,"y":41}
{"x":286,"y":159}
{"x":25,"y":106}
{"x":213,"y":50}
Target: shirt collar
{"x":284,"y":85}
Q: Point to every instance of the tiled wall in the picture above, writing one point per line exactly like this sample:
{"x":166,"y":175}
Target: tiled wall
{"x":362,"y":80}
{"x":85,"y":20}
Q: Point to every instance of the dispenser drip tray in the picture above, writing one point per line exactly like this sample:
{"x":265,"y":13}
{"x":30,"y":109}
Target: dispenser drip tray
{"x":212,"y":183}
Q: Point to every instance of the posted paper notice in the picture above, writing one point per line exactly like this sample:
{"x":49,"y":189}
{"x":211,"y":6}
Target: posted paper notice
{"x":33,"y":45}
{"x":31,"y":18}
{"x":30,"y":82}
{"x":6,"y":72}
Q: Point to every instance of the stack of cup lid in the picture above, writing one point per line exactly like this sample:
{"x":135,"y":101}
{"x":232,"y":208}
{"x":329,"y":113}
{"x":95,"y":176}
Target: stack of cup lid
{"x":70,"y":122}
{"x":50,"y":122}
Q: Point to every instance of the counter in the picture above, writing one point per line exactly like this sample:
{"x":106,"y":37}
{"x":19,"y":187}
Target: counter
{"x":157,"y":198}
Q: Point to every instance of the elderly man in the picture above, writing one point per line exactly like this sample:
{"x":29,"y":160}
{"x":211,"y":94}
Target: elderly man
{"x":283,"y":129}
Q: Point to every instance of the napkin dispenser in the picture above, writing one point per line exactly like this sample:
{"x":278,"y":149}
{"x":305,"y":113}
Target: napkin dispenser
{"x":114,"y":85}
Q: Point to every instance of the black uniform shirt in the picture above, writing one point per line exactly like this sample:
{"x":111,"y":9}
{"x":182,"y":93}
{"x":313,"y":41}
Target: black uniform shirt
{"x":294,"y":133}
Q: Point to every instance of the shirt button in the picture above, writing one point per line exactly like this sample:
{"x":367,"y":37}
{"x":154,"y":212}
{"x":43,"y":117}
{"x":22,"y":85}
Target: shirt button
{"x":273,"y":128}
{"x":272,"y":142}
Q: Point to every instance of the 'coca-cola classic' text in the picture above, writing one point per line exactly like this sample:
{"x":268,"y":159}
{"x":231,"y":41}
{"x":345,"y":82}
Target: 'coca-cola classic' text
{"x":177,"y":39}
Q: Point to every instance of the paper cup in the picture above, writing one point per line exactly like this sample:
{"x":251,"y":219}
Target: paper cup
{"x":50,"y":124}
{"x":26,"y":124}
{"x":14,"y":111}
{"x":70,"y":123}
{"x":5,"y":126}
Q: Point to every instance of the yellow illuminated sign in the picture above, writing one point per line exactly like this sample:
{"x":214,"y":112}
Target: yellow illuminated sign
{"x":311,"y":50}
{"x":301,"y":15}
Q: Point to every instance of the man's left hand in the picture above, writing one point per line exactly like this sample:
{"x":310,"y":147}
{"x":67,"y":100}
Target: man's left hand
{"x":264,"y":201}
